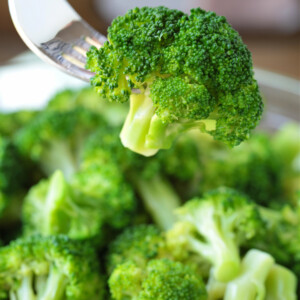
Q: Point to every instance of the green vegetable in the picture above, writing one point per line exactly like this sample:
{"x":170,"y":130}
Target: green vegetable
{"x":160,"y":279}
{"x":192,"y":72}
{"x":250,"y":284}
{"x":214,"y":227}
{"x":137,"y":244}
{"x":54,"y":139}
{"x":264,"y":167}
{"x":55,"y":268}
{"x":281,"y":284}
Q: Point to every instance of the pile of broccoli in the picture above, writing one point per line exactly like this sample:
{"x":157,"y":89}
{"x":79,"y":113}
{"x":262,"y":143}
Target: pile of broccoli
{"x":82,"y":217}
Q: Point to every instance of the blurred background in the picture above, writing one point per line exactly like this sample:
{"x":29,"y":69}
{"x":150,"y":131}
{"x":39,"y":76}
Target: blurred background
{"x":270,"y":28}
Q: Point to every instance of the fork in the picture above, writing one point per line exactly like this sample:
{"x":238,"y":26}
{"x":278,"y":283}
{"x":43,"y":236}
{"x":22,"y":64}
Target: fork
{"x":56,"y":33}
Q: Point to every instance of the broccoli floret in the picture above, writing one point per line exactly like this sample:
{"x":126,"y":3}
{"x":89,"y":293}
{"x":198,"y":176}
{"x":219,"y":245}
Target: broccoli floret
{"x":160,"y":279}
{"x":281,"y":284}
{"x":96,"y":196}
{"x":254,"y":167}
{"x":192,"y":71}
{"x":214,"y":227}
{"x":55,"y":139}
{"x":112,"y":113}
{"x":250,"y":284}
{"x":10,"y":123}
{"x":145,"y":175}
{"x":100,"y":184}
{"x":50,"y":268}
{"x":280,"y":236}
{"x":137,"y":244}
{"x":51,"y":208}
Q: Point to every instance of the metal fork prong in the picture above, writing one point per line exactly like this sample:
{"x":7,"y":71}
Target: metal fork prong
{"x":75,"y":52}
{"x":80,"y":50}
{"x":93,"y":42}
{"x":73,"y":60}
{"x":56,"y":33}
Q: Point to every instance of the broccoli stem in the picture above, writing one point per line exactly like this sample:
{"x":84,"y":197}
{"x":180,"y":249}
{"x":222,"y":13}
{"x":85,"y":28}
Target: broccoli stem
{"x":56,"y":198}
{"x":250,"y":285}
{"x":281,"y":284}
{"x":221,"y":252}
{"x":55,"y":288}
{"x":215,"y":289}
{"x":160,"y":199}
{"x":59,"y":157}
{"x":137,"y":124}
{"x":145,"y":133}
{"x":25,"y":290}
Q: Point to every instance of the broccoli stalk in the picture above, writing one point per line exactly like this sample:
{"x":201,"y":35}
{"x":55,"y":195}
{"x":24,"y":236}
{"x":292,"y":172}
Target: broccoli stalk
{"x":281,"y":284}
{"x":47,"y":288}
{"x":159,"y":198}
{"x":145,"y":133}
{"x":214,"y":227}
{"x":250,"y":284}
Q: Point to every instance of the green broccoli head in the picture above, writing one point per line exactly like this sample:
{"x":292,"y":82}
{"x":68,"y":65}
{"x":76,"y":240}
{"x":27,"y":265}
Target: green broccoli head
{"x":280,"y":236}
{"x":214,"y":227}
{"x":50,"y":268}
{"x":193,"y":71}
{"x":55,"y":139}
{"x":101,"y":184}
{"x":137,"y":244}
{"x":159,"y":279}
{"x":51,"y":207}
{"x":253,"y":168}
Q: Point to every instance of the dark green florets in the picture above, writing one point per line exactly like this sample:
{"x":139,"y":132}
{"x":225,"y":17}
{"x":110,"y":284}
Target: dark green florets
{"x":55,"y":139}
{"x":160,"y":279}
{"x":192,"y":71}
{"x":137,"y":244}
{"x":50,"y":268}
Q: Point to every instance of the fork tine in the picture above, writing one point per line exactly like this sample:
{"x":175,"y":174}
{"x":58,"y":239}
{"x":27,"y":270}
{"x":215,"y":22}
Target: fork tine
{"x":62,"y":40}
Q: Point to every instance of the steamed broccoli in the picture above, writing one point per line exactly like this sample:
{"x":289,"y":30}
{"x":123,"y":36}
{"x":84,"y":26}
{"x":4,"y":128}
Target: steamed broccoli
{"x":160,"y":279}
{"x":250,"y":284}
{"x":55,"y":268}
{"x":54,"y":139}
{"x":281,"y":284}
{"x":146,"y":176}
{"x":214,"y":227}
{"x":264,"y":167}
{"x":192,"y":71}
{"x":137,"y":244}
{"x":51,"y":208}
{"x":96,"y":195}
{"x":100,"y":184}
{"x":280,"y":236}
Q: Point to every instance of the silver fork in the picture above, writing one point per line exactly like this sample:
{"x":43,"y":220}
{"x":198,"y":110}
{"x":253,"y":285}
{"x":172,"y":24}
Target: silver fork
{"x":55,"y":32}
